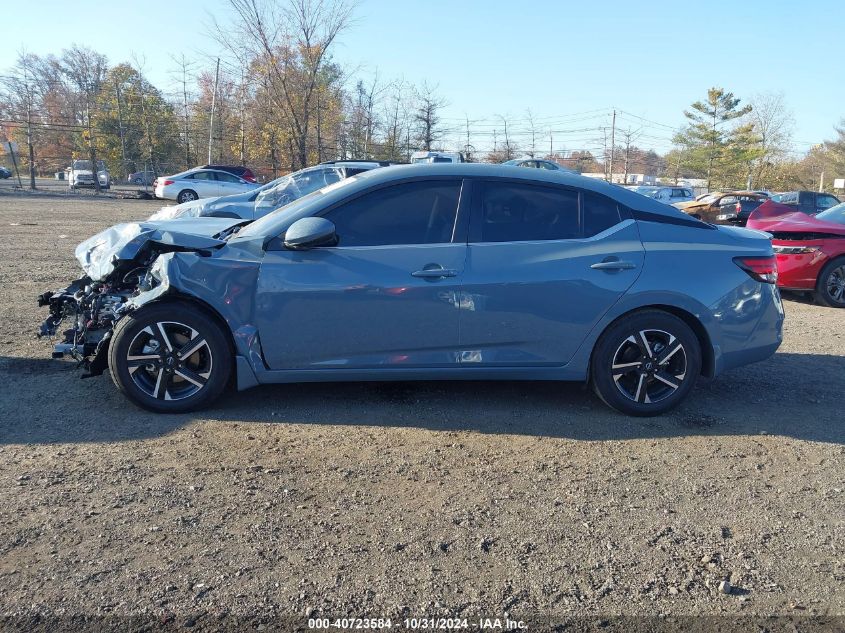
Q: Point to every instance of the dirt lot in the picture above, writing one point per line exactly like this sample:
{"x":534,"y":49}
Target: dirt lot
{"x":384,"y":500}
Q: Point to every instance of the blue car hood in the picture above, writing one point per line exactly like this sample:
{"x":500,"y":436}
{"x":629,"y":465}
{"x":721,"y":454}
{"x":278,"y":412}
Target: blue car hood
{"x":98,"y":255}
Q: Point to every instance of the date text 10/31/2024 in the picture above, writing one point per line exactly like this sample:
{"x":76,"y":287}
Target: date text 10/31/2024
{"x":421,"y":624}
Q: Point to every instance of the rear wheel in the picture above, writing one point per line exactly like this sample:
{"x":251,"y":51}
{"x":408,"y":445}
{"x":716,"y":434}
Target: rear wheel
{"x":170,"y":358}
{"x":830,"y":286}
{"x":186,"y":195}
{"x":646,"y":363}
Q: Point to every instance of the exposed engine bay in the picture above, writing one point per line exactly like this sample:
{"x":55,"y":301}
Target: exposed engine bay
{"x":118,"y":266}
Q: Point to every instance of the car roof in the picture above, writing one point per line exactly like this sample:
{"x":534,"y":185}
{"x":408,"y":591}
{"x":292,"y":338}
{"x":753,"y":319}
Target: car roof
{"x":482,"y":170}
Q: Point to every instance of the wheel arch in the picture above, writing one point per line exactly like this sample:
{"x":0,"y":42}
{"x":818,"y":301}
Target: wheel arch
{"x":708,"y":359}
{"x":177,"y":298}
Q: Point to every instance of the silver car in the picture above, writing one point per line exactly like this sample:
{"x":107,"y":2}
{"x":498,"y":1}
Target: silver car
{"x":200,"y":183}
{"x":256,"y":203}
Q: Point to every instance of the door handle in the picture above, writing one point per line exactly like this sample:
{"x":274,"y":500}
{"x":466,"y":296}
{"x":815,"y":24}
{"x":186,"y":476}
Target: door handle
{"x":434,"y":273}
{"x":613,"y":264}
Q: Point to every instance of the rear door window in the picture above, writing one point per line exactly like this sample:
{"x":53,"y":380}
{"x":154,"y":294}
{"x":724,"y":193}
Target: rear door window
{"x":517,"y":212}
{"x":825,"y":201}
{"x":600,"y":213}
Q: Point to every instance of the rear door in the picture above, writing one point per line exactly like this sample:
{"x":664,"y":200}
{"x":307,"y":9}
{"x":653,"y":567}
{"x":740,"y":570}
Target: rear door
{"x":203,"y":182}
{"x":229,"y":184}
{"x":544,"y":263}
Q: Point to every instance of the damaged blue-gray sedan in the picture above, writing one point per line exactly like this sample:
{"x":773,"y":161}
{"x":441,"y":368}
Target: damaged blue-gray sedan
{"x":454,"y":271}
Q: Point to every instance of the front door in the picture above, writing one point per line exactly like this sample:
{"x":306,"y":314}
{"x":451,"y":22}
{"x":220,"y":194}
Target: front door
{"x":544,"y":264}
{"x":385,"y":297}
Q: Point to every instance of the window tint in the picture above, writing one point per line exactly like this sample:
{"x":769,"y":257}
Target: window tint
{"x":410,"y":213}
{"x":201,"y":175}
{"x":825,"y":201}
{"x":226,"y":177}
{"x":600,"y":214}
{"x":513,"y":212}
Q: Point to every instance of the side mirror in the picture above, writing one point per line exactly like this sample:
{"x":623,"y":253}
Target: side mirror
{"x":310,"y":232}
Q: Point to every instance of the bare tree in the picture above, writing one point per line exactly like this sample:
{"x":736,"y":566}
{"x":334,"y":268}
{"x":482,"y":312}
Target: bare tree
{"x":294,"y":39}
{"x":629,"y":136}
{"x":509,"y":149}
{"x":427,"y":115}
{"x":184,"y":70}
{"x":532,"y":129}
{"x":396,"y":120}
{"x":21,"y":94}
{"x":773,"y":123}
{"x":86,"y":70}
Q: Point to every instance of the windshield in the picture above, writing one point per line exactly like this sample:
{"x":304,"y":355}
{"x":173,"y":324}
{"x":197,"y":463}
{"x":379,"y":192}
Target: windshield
{"x":833,"y":214}
{"x":296,"y":185}
{"x":86,"y":164}
{"x":263,"y":225}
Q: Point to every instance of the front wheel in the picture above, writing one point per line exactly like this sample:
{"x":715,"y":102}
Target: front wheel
{"x":646,"y":363}
{"x":830,"y":287}
{"x":170,"y":358}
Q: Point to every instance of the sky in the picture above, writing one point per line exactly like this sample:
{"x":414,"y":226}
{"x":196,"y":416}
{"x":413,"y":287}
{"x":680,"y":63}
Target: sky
{"x":570,"y":63}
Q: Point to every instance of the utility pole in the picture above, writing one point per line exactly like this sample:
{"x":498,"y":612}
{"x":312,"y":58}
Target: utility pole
{"x":551,"y":144}
{"x":185,"y":106}
{"x":29,"y":133}
{"x":468,"y":145}
{"x":92,"y":152}
{"x":213,"y":104}
{"x":243,"y":128}
{"x":821,"y":182}
{"x":612,"y":144}
{"x":120,"y":127}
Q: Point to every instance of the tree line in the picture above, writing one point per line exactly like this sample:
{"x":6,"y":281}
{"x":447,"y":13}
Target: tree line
{"x":280,"y":101}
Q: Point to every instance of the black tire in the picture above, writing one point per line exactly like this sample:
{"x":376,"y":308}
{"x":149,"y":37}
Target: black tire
{"x":645,"y":378}
{"x":830,"y":286}
{"x":138,"y":181}
{"x":147,"y":368}
{"x":186,"y":195}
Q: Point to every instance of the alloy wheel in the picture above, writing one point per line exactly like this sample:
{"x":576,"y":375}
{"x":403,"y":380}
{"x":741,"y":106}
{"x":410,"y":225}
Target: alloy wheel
{"x":835,"y":285}
{"x":649,"y":366}
{"x":169,"y":360}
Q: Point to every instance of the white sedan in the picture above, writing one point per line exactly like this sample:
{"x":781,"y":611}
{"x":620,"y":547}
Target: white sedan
{"x":200,"y":183}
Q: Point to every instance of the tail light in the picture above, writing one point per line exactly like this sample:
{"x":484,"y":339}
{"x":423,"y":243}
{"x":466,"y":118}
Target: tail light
{"x":250,"y":178}
{"x":738,"y":208}
{"x":165,"y":182}
{"x":795,"y":250}
{"x":764,"y":269}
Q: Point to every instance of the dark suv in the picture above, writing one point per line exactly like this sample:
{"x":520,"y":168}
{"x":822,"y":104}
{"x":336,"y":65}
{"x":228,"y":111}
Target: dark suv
{"x":810,"y":202}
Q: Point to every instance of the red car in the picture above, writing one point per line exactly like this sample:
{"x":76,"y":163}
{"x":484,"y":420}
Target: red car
{"x":810,"y":249}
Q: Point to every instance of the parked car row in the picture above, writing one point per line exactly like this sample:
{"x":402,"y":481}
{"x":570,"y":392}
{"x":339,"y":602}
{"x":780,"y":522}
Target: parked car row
{"x":719,"y":207}
{"x":260,"y":201}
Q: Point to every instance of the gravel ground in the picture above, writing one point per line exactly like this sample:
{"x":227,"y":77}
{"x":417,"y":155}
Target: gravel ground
{"x":415,"y":499}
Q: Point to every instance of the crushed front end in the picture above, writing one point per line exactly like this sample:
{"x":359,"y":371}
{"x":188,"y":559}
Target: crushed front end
{"x":118,"y":266}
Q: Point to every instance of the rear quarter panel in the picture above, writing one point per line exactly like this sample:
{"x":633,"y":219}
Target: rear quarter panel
{"x":692,"y":270}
